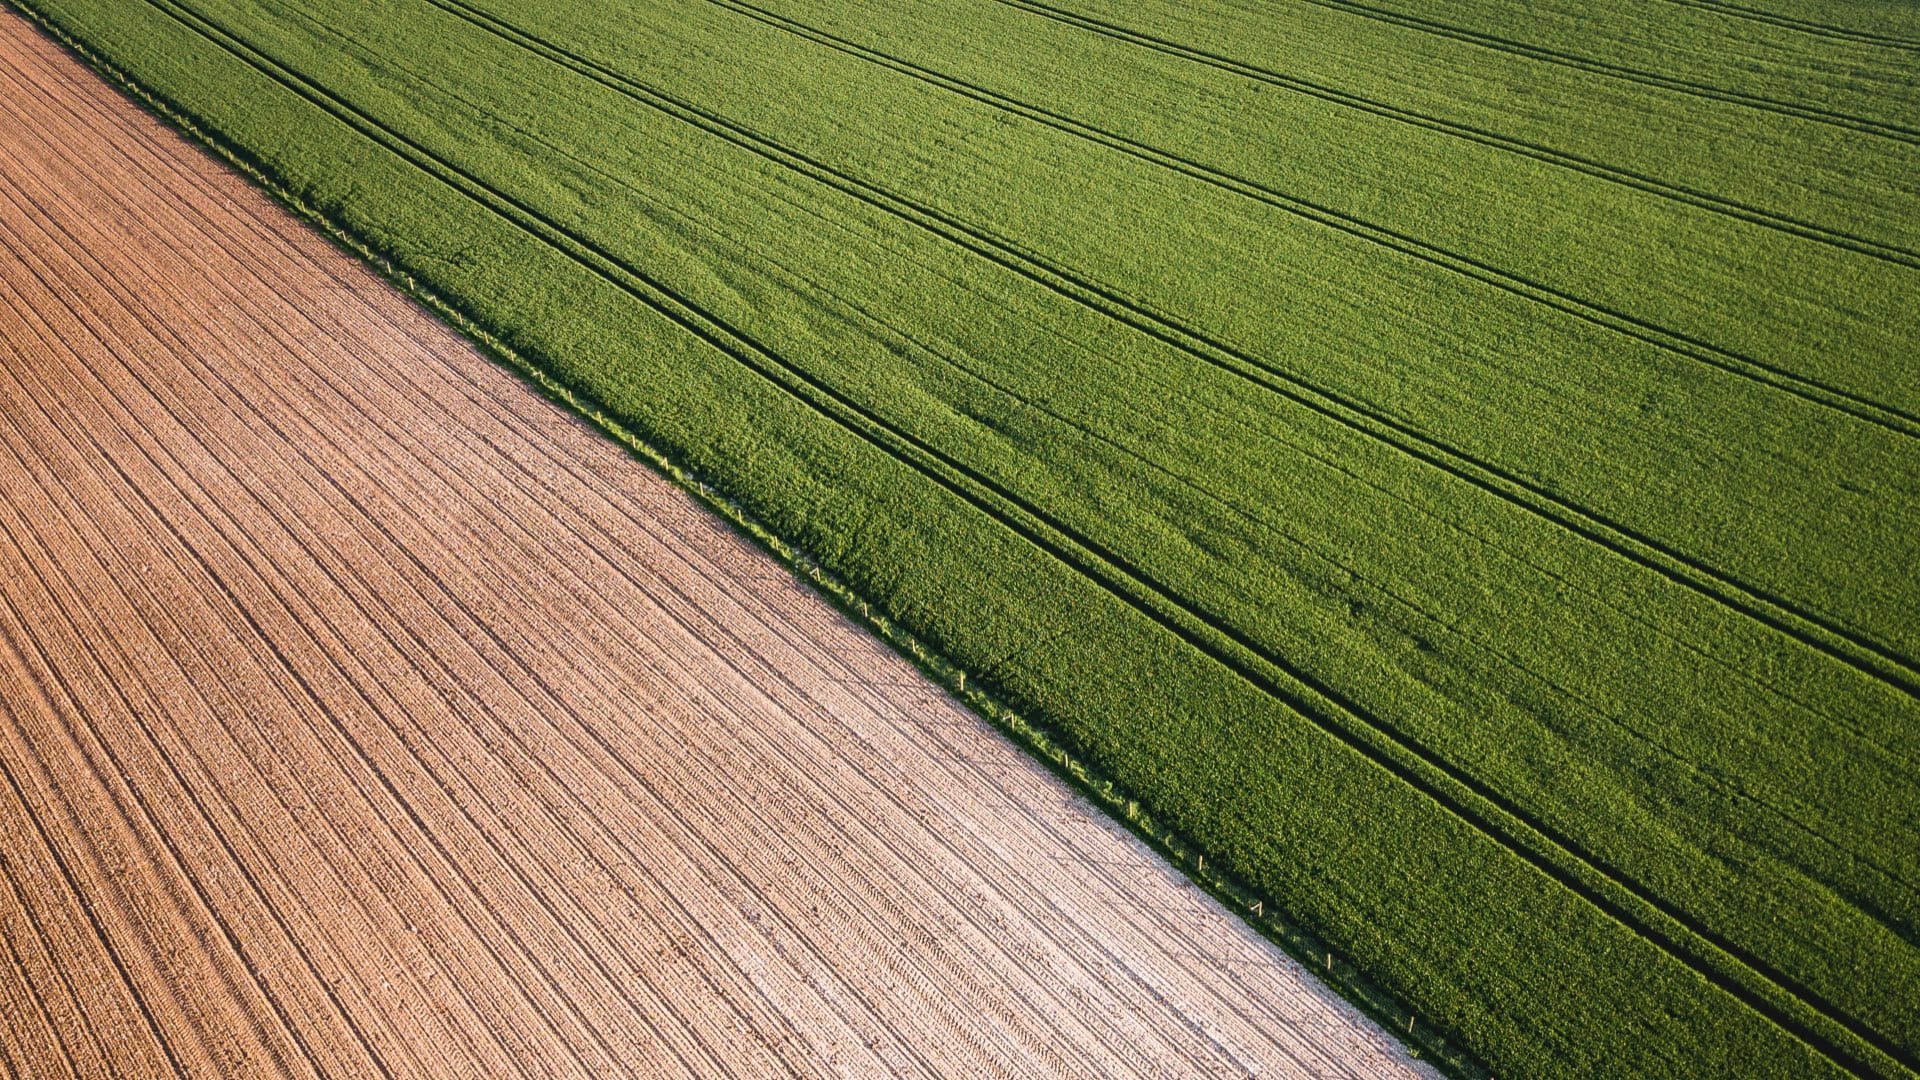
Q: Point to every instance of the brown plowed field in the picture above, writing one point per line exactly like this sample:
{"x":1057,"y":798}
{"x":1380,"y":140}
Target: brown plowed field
{"x":362,"y":712}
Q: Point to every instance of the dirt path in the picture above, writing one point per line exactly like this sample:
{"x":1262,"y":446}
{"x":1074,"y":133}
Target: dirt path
{"x":363,"y":713}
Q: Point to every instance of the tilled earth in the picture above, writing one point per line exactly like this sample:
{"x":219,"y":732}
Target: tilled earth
{"x":362,"y":712}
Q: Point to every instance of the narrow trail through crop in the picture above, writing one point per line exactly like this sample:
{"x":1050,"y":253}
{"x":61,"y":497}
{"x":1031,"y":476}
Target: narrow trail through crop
{"x":1693,"y":349}
{"x":378,"y":716}
{"x":1769,"y":992}
{"x":1901,"y":133}
{"x":1805,"y":626}
{"x":1368,"y":542}
{"x":970,"y":237}
{"x":1639,"y":181}
{"x":1804,"y":25}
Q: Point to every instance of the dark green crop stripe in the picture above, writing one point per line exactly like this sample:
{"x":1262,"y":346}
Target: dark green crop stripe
{"x":1459,"y":474}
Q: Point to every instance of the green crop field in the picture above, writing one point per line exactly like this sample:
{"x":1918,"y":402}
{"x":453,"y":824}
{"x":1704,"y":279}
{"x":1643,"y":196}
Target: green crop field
{"x":1455,"y":465}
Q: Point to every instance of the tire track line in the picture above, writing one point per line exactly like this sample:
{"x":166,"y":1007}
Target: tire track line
{"x":598,"y":552}
{"x":7,"y":1066}
{"x":1880,"y":128}
{"x":1807,"y":627}
{"x":508,"y":731}
{"x":429,"y":541}
{"x":985,"y":890}
{"x":1805,"y":26}
{"x":511,"y":456}
{"x":728,"y":633}
{"x":83,"y":1005}
{"x":143,"y":830}
{"x":135,"y":714}
{"x":81,"y":246}
{"x":440,"y":2}
{"x":239,"y":712}
{"x":1684,"y":938}
{"x":157,"y":266}
{"x":1638,"y":181}
{"x":463,"y":425}
{"x":688,"y":548}
{"x":240,"y":455}
{"x":381,"y":619}
{"x":142,"y":818}
{"x":68,"y":877}
{"x":1810,"y":628}
{"x":1670,"y":341}
{"x":17,"y":985}
{"x":78,"y":1009}
{"x":346,"y":456}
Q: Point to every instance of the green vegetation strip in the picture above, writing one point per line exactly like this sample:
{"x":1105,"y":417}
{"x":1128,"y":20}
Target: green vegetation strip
{"x":1453,"y":477}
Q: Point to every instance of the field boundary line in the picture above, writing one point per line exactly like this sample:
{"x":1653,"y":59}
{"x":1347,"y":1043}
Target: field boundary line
{"x":552,"y":695}
{"x":1687,"y":196}
{"x":1298,"y":941}
{"x":620,"y":987}
{"x":1453,"y":792}
{"x":1062,"y":282}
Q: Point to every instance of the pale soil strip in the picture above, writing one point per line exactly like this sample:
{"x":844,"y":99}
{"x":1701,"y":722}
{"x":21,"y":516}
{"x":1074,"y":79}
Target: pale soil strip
{"x":362,"y":711}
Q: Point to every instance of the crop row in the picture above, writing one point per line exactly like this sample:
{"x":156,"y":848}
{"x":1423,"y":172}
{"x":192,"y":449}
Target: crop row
{"x":1494,"y":760}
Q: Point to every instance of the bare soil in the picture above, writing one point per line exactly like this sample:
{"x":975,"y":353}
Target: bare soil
{"x":364,"y":713}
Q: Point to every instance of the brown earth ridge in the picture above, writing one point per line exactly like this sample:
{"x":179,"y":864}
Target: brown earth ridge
{"x":364,"y":713}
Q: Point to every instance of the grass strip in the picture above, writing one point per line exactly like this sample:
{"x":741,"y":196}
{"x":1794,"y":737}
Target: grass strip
{"x":930,"y":457}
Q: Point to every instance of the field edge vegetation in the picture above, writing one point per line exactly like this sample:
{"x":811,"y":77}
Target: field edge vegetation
{"x":1428,"y":1042}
